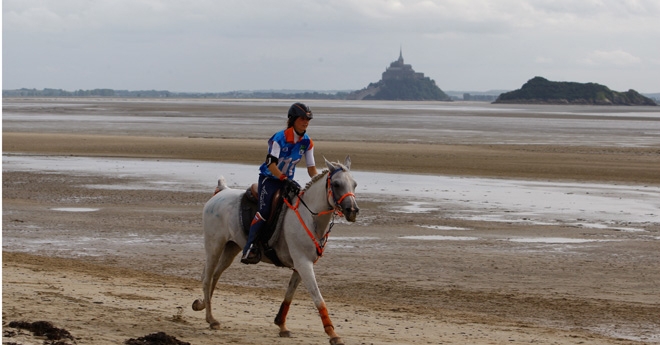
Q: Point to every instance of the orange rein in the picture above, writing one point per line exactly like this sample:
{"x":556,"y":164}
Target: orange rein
{"x":319,"y":247}
{"x":335,"y":210}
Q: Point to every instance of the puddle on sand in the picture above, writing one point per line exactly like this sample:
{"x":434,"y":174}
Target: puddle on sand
{"x":442,"y":227}
{"x":354,"y":238}
{"x":552,"y":240}
{"x":440,"y":238}
{"x":416,"y":207}
{"x":75,"y":209}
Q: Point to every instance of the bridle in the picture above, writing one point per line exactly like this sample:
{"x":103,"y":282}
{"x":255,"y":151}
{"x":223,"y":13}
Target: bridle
{"x":332,"y":196}
{"x":334,"y":210}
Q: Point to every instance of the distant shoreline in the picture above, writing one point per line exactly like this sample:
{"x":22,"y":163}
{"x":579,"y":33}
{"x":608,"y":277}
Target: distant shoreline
{"x":455,"y":95}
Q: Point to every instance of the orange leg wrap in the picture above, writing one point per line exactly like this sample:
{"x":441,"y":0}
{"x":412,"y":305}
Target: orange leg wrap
{"x":325,"y":318}
{"x":280,"y":319}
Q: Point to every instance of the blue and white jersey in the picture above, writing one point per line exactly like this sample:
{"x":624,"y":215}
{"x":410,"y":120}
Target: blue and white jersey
{"x":289,"y":148}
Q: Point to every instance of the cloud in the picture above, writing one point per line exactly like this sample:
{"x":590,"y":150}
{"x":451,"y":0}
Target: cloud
{"x":248,"y":44}
{"x":543,"y":60}
{"x":427,"y":17}
{"x":614,"y":57}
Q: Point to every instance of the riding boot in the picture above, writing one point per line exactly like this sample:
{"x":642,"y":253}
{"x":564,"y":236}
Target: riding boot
{"x":251,"y":252}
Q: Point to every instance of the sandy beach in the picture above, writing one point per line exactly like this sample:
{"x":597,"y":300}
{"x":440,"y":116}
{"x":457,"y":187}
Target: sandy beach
{"x":600,"y":288}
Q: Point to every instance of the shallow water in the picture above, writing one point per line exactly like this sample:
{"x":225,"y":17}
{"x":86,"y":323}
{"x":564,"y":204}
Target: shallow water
{"x":590,"y":205}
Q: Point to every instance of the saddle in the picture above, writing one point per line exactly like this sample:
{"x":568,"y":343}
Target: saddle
{"x":248,"y":210}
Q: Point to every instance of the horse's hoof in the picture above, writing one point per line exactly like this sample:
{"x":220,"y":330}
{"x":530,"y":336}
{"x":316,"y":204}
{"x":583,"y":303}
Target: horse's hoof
{"x":285,"y":334}
{"x":214,"y":325}
{"x":198,"y":305}
{"x":336,"y":341}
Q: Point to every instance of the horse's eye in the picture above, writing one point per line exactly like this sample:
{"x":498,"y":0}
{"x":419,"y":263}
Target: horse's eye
{"x":335,"y":184}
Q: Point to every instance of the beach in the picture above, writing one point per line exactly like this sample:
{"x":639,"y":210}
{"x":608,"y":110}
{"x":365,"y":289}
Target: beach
{"x":109,"y":256}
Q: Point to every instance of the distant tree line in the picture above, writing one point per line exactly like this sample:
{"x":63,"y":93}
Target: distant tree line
{"x":58,"y":93}
{"x":167,"y":94}
{"x":480,"y":98}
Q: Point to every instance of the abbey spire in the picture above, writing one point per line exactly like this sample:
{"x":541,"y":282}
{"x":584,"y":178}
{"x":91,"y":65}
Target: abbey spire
{"x":399,"y":70}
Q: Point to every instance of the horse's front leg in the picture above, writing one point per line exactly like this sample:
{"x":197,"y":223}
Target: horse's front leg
{"x":306,"y":272}
{"x":280,"y":319}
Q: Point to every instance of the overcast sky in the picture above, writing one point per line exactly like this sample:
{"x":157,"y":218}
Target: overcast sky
{"x":221,"y":45}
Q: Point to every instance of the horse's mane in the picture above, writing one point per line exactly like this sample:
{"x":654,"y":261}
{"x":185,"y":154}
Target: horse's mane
{"x":316,"y":178}
{"x":322,"y":174}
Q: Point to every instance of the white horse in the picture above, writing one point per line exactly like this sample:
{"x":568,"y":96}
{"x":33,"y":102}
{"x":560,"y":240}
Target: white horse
{"x":298,"y":241}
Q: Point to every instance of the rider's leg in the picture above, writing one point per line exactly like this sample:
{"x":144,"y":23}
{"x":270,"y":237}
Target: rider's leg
{"x":250,"y":251}
{"x":267,"y":188}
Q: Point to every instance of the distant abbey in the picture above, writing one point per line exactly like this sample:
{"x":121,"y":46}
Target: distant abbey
{"x":401,"y":82}
{"x":399,"y":70}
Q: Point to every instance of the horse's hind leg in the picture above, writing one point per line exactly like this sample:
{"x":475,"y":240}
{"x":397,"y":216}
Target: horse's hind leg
{"x":212,"y":262}
{"x":216,"y":263}
{"x":280,"y":319}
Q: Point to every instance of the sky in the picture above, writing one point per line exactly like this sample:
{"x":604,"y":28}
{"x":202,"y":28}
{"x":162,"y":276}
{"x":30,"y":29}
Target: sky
{"x":229,"y":45}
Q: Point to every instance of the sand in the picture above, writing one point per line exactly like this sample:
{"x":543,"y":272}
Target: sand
{"x":415,"y":292}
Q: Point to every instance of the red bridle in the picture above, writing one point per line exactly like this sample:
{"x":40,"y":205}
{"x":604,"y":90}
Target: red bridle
{"x":331,"y":196}
{"x":336,"y":210}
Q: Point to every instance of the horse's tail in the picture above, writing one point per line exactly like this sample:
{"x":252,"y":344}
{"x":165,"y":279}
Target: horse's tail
{"x":222,"y":185}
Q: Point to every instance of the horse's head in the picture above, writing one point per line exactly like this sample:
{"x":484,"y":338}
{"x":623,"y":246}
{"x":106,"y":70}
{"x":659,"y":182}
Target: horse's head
{"x":342,"y":188}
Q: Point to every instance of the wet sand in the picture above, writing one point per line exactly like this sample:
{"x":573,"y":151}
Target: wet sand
{"x":379,"y":288}
{"x":583,"y":163}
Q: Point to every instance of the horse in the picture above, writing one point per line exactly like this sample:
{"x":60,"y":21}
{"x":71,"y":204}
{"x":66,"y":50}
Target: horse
{"x":299,"y":239}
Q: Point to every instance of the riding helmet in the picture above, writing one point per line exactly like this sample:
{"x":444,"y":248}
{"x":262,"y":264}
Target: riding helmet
{"x":299,"y":110}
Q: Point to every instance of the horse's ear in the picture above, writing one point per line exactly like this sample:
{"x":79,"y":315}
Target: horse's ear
{"x":347,"y":162}
{"x":331,"y":166}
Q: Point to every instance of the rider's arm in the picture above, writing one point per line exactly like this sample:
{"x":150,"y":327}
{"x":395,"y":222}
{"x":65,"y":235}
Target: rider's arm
{"x":272,"y":160}
{"x":275,"y":171}
{"x":311,"y":165}
{"x":272,"y":167}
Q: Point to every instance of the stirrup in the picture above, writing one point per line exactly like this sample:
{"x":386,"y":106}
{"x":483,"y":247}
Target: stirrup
{"x":253,"y":256}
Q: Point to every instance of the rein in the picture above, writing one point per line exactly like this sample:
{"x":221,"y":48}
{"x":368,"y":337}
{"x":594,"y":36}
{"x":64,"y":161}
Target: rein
{"x":335,"y":211}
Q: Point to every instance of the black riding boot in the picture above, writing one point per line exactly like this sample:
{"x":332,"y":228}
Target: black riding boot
{"x":252,"y":256}
{"x":251,"y":252}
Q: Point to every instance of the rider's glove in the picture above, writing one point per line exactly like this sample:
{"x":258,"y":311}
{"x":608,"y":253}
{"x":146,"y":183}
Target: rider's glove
{"x":292,"y":187}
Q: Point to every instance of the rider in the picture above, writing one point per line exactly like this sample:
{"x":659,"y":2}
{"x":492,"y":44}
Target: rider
{"x":285,"y":149}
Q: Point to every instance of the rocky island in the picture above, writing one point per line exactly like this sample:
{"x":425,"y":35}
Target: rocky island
{"x":401,"y":83}
{"x":539,"y":90}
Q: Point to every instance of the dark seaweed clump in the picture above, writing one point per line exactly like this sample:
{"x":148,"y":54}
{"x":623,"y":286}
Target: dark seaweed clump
{"x":45,"y":329}
{"x":159,"y":338}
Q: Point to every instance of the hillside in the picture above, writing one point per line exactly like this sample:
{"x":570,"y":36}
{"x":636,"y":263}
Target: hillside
{"x":423,"y":89}
{"x":539,"y":90}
